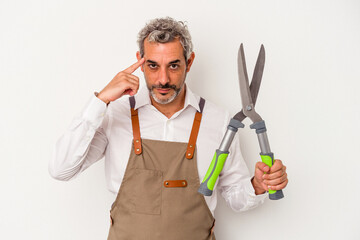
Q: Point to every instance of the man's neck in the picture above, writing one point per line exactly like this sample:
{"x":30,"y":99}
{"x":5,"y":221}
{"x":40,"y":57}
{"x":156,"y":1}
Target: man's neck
{"x":171,"y":108}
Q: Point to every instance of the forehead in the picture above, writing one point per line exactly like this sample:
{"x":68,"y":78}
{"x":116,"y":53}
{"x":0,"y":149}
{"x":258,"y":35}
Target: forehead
{"x":166,"y":52}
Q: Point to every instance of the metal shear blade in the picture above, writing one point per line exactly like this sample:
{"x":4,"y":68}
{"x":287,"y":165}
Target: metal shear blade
{"x":249,"y":94}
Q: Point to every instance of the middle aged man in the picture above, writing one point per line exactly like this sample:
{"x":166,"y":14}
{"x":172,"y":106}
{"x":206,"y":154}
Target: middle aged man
{"x":158,"y":146}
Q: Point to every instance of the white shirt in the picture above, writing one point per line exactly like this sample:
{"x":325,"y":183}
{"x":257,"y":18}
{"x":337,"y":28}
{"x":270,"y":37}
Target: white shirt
{"x":105,"y":130}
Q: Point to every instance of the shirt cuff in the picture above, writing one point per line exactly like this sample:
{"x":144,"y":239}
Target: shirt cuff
{"x":94,"y":111}
{"x":253,"y":198}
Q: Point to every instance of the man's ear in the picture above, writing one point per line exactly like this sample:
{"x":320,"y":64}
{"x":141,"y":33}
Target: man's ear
{"x":138,"y":56}
{"x":190,"y":61}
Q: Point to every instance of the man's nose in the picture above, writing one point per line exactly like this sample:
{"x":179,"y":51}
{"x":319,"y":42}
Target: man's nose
{"x":163,"y":76}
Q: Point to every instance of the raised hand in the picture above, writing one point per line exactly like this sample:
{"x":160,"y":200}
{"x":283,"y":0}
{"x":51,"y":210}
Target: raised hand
{"x":124,"y":83}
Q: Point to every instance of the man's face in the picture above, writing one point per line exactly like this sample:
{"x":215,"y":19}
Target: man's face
{"x":165,"y":69}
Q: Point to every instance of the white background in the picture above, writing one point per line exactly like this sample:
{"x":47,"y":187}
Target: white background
{"x":55,"y":54}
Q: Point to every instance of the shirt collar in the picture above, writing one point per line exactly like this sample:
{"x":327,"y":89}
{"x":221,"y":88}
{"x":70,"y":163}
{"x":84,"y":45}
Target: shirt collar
{"x":142,"y":98}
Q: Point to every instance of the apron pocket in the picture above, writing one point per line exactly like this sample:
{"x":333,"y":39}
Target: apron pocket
{"x":147,"y":191}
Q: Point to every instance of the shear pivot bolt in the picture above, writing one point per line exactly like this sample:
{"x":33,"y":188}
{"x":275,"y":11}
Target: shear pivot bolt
{"x":249,"y":108}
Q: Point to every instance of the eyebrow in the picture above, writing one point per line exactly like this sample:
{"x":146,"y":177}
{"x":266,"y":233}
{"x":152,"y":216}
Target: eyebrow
{"x":172,"y":62}
{"x":151,"y":61}
{"x":175,"y":61}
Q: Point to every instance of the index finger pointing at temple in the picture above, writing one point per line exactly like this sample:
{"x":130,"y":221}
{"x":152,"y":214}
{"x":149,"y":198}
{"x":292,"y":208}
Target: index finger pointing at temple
{"x":135,"y":66}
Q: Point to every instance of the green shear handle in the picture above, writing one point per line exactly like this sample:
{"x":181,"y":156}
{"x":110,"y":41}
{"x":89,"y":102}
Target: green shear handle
{"x":266,"y":155}
{"x":216,"y":166}
{"x":207,"y":185}
{"x":268,"y":159}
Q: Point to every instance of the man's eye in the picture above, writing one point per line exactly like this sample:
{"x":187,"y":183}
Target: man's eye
{"x":174,"y":66}
{"x":152,"y":65}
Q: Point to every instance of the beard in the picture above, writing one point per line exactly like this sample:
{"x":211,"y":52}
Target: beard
{"x":170,"y":98}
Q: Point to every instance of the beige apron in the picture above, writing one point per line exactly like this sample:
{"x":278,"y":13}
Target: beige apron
{"x":158,"y":196}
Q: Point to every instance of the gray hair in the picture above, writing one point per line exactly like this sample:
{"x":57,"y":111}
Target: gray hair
{"x":163,"y":30}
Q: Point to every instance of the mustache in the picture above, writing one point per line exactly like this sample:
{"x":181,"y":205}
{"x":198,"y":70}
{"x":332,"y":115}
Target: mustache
{"x":166,"y":86}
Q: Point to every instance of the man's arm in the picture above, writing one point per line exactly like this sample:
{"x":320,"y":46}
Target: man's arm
{"x":82,"y":144}
{"x":85,"y":141}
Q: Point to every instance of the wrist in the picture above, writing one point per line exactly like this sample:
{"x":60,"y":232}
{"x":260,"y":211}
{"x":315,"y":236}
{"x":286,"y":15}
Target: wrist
{"x":99,"y":95}
{"x":257,"y":186}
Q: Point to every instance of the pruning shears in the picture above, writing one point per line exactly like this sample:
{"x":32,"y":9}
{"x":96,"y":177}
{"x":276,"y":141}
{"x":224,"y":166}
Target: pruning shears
{"x":248,"y":99}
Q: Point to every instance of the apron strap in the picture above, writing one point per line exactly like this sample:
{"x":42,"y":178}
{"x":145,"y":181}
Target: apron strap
{"x":135,"y":127}
{"x":195,"y":130}
{"x":193,"y":135}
